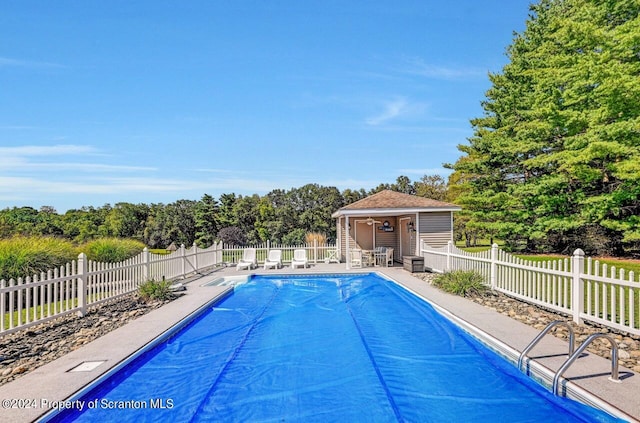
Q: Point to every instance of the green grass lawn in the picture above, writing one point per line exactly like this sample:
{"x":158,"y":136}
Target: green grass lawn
{"x":627,"y":264}
{"x":159,"y":251}
{"x":64,"y":304}
{"x":61,"y":305}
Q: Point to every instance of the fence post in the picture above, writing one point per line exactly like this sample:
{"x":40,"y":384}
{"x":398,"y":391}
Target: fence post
{"x":183,"y":261}
{"x":315,"y":250}
{"x":195,"y":257}
{"x":145,"y":265}
{"x":577,"y":287}
{"x":494,"y":265}
{"x":449,"y":251}
{"x":82,"y":284}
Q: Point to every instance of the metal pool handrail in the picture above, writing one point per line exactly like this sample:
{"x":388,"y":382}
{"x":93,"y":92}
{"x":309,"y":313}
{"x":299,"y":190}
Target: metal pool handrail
{"x":572,"y":339}
{"x":574,"y":356}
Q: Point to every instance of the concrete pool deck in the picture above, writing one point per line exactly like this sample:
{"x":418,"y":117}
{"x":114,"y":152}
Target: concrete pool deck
{"x":35,"y":393}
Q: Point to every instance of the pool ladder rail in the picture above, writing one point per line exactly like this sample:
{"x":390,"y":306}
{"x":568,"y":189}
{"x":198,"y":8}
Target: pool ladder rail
{"x":573,"y":353}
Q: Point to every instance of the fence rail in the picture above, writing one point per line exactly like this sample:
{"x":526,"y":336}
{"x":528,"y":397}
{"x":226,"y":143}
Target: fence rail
{"x":578,"y":286}
{"x":83,"y":283}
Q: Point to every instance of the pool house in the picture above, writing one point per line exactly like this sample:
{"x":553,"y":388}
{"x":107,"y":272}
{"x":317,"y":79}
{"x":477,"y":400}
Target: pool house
{"x":390,"y":219}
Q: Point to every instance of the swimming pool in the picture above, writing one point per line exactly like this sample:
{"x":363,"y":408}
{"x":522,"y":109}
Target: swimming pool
{"x":308,"y":348}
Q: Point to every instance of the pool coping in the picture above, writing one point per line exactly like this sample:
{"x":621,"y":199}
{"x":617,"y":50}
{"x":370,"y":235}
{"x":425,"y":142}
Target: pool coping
{"x":54,"y":383}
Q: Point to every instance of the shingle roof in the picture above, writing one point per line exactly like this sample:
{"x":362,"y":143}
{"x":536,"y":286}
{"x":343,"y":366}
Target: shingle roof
{"x":388,"y":199}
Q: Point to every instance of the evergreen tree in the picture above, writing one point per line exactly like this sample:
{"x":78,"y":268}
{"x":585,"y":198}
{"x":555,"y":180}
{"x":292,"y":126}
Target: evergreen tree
{"x":206,"y":220}
{"x":554,"y":163}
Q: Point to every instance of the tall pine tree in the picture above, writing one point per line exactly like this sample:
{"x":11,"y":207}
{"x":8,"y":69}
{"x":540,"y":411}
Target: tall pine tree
{"x":554,"y":163}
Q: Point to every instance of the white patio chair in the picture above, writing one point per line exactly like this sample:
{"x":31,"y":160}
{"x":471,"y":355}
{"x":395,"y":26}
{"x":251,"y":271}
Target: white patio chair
{"x":389,"y":259}
{"x":379,"y":256}
{"x":368,"y":258}
{"x":274,"y":259}
{"x":248,"y":260}
{"x":356,"y":258}
{"x":299,"y":258}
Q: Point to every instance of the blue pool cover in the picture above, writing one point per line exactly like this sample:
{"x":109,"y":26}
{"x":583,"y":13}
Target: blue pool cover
{"x":355,"y":348}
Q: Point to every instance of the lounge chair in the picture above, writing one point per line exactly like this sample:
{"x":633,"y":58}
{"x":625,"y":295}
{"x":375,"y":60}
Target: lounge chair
{"x":299,"y":258}
{"x":248,"y":260}
{"x":274,"y":259}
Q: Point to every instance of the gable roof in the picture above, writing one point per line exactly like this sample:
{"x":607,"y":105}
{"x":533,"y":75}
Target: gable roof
{"x":388,"y":201}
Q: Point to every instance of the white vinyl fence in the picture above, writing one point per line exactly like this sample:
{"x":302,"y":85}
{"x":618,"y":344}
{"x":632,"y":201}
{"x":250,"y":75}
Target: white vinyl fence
{"x":75,"y":287}
{"x":580,"y":287}
{"x":315,"y":252}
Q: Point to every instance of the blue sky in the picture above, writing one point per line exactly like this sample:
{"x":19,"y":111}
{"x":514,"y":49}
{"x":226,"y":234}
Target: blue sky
{"x":155,"y":101}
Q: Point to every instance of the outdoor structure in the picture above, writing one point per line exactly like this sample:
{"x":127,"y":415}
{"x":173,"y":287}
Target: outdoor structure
{"x":393,"y":219}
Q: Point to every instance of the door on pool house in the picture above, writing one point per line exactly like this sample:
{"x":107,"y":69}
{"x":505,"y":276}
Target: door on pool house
{"x":365,"y":234}
{"x":406,"y":238}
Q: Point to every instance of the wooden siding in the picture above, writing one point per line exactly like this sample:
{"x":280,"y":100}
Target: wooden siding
{"x":388,"y":239}
{"x":435,"y":228}
{"x":344,"y":235}
{"x":383,"y":238}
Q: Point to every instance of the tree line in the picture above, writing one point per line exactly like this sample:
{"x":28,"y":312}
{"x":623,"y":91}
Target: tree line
{"x":279,"y":216}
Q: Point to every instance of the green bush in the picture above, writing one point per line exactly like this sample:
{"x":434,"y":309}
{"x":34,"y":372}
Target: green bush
{"x":111,"y":250}
{"x":459,"y":282}
{"x":26,"y":256}
{"x":153,"y":290}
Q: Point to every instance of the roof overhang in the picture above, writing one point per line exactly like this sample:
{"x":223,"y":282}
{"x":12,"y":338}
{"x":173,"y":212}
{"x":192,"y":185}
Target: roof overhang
{"x":391,"y":211}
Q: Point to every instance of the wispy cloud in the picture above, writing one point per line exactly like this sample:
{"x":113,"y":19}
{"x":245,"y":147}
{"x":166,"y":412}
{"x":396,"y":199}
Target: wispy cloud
{"x":395,"y":109}
{"x":417,"y":66}
{"x":213,"y":170}
{"x":13,"y":186}
{"x":36,"y":158}
{"x":391,"y":111}
{"x":17,"y":128}
{"x":428,"y":171}
{"x":16,"y":163}
{"x":46,"y":150}
{"x":425,"y":129}
{"x":11,"y":62}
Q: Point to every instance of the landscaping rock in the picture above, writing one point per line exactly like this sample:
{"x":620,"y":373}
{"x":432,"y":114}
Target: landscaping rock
{"x":539,"y":318}
{"x":26,"y":350}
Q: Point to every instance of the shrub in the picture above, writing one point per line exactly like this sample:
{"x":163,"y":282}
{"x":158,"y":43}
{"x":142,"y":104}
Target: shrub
{"x":295,"y":237}
{"x":111,"y":250}
{"x":26,"y":256}
{"x":460,"y":282}
{"x":153,"y":290}
{"x":315,"y":236}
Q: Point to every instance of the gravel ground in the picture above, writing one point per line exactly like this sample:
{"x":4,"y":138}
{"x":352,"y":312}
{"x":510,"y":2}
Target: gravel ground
{"x":539,"y":318}
{"x":26,"y":350}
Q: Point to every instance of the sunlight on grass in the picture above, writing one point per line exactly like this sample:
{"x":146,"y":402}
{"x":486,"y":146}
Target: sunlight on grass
{"x":59,"y":306}
{"x":602,"y":288}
